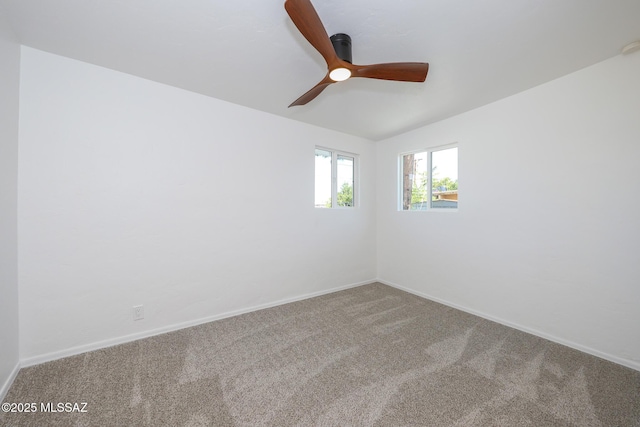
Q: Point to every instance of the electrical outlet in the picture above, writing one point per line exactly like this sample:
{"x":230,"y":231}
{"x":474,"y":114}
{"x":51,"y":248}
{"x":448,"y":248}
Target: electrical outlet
{"x":138,"y":312}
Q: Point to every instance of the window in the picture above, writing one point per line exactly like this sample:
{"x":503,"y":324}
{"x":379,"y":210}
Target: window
{"x":429,"y":180}
{"x":335,"y":179}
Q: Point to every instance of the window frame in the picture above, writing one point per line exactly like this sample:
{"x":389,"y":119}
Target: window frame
{"x":334,"y":177}
{"x":400,"y":178}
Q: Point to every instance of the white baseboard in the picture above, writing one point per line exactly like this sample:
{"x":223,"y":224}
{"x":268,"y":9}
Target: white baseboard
{"x":7,"y":384}
{"x":48,"y":357}
{"x":615,"y":359}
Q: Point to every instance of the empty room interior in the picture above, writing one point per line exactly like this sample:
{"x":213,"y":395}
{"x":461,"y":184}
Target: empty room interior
{"x":200,"y":224}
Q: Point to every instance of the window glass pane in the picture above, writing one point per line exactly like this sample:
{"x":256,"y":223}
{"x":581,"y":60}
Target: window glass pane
{"x":345,"y":180}
{"x":414,"y":181}
{"x":323,"y":179}
{"x":444,"y":183}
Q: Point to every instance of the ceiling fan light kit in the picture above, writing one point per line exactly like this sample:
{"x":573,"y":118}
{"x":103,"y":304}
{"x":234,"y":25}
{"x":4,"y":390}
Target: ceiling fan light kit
{"x":336,"y":51}
{"x":339,"y":74}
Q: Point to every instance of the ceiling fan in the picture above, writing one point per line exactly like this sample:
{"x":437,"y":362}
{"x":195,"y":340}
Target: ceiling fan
{"x":336,"y":51}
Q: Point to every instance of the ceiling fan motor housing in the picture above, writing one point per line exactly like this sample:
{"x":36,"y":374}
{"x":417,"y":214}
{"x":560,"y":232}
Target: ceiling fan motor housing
{"x":342,"y":45}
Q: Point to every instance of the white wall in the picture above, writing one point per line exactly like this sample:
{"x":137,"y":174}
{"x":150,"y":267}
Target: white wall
{"x":547,"y":237}
{"x":9,"y":90}
{"x":132,"y":192}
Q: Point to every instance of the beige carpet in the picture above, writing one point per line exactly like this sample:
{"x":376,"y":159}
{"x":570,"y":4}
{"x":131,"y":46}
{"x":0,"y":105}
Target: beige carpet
{"x":368,"y":356}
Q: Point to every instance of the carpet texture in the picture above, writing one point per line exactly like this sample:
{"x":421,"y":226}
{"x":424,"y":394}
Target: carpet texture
{"x":367,"y":356}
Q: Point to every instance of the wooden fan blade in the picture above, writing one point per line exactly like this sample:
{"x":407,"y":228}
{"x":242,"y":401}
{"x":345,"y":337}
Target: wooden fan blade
{"x":399,"y":71}
{"x":315,"y":91}
{"x":305,"y":17}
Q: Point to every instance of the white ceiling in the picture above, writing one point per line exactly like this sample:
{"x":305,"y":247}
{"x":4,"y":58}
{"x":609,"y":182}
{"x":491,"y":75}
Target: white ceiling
{"x":249,"y":52}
